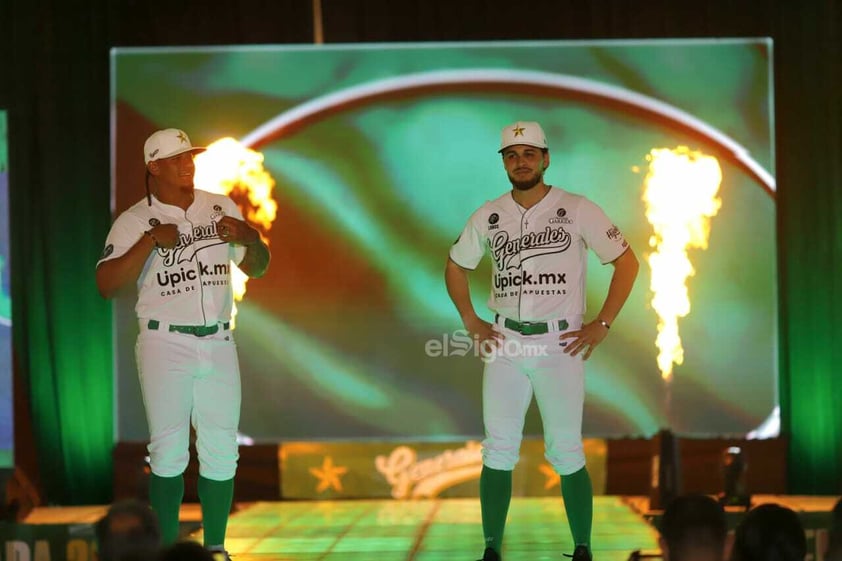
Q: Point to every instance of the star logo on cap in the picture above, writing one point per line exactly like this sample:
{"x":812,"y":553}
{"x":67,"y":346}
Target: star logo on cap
{"x":518,"y":131}
{"x":181,"y":137}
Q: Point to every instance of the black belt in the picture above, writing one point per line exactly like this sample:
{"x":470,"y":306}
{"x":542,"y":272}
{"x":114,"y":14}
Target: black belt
{"x":197,"y":330}
{"x":533,"y":327}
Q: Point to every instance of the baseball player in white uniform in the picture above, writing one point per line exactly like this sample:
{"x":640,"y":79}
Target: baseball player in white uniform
{"x":537,"y":236}
{"x":177,"y":244}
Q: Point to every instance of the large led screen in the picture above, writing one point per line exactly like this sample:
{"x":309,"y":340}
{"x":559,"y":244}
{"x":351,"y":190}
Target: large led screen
{"x":379,"y":153}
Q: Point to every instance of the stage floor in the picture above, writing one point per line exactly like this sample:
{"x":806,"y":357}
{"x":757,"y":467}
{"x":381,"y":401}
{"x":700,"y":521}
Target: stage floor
{"x":426,"y":530}
{"x":391,"y":530}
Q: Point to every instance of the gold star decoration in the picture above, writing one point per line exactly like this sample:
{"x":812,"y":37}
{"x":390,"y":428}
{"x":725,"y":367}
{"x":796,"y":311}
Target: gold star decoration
{"x":181,"y":137}
{"x":328,"y":475}
{"x":518,"y":131}
{"x":553,"y":478}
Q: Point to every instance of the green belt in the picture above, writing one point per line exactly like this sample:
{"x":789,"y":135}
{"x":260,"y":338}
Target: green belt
{"x":533,"y":327}
{"x":197,"y":330}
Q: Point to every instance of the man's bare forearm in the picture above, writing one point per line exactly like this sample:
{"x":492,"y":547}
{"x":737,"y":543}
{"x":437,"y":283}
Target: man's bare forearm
{"x":456,"y":280}
{"x":622,"y":281}
{"x":114,"y":274}
{"x":256,"y":260}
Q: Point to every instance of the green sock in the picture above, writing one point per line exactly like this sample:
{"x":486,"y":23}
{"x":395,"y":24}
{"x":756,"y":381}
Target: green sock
{"x":495,"y":494}
{"x":165,"y":494}
{"x":216,"y":498}
{"x":577,"y":492}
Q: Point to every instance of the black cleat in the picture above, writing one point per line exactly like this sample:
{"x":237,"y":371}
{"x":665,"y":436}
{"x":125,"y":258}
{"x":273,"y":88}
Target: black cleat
{"x":581,"y":553}
{"x":490,"y":555}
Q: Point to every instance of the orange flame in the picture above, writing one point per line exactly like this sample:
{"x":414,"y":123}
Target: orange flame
{"x":229,"y":168}
{"x":680,"y":193}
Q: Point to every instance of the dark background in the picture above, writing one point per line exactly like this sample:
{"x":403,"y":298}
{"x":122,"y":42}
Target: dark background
{"x":54,"y":81}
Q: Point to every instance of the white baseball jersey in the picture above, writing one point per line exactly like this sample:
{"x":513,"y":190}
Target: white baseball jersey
{"x":539,"y":255}
{"x":189,"y":284}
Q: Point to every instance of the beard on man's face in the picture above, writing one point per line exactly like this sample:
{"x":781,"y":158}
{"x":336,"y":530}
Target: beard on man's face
{"x":526,"y":184}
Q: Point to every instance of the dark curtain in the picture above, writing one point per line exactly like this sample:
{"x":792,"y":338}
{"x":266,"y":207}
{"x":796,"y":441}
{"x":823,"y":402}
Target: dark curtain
{"x":54,"y":81}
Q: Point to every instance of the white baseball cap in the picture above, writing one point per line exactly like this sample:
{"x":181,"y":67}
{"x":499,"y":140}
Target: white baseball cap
{"x":167,"y":143}
{"x":523,"y":132}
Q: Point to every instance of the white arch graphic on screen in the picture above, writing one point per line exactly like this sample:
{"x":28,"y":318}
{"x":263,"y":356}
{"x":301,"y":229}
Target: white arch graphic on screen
{"x":508,"y":81}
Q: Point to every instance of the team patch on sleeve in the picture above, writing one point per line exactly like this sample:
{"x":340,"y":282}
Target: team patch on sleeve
{"x":613,"y":233}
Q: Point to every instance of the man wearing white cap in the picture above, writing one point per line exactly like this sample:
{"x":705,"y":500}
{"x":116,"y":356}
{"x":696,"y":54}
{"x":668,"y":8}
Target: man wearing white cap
{"x":538,"y":237}
{"x":177,"y":245}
